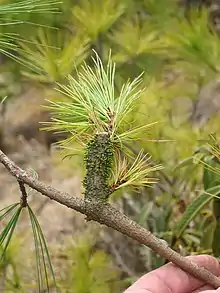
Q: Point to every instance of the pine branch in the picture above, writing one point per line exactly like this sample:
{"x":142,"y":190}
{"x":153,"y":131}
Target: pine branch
{"x":104,"y":213}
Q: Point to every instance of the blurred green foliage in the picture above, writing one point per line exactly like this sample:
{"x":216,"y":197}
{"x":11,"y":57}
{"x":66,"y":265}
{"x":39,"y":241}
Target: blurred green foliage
{"x":89,"y":270}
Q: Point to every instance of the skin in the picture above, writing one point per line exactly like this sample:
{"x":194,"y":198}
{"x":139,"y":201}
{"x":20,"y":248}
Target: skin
{"x":171,"y":279}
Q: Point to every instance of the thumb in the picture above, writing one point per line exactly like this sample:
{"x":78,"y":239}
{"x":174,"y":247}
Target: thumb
{"x":170,"y":278}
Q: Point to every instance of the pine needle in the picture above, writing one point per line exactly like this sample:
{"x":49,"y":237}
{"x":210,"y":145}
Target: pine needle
{"x":7,"y":233}
{"x":30,"y":6}
{"x":134,"y":174}
{"x":42,"y":256}
{"x":93,"y":106}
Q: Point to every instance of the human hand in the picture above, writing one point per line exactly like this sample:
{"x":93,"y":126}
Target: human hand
{"x":171,"y":279}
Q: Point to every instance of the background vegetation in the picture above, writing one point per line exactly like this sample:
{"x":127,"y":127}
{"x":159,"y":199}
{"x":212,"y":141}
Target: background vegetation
{"x":177,"y":47}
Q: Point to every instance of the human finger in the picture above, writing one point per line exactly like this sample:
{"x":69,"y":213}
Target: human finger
{"x":210,"y":291}
{"x":203,"y":289}
{"x":170,"y":278}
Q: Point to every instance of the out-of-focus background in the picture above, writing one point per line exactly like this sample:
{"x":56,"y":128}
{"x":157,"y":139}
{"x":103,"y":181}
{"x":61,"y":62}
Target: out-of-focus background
{"x":176,"y":44}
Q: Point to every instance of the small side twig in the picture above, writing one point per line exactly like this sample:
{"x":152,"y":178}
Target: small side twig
{"x":104,"y":213}
{"x":23,"y":199}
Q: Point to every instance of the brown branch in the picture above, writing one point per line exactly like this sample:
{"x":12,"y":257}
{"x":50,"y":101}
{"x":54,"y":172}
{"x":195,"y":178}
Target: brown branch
{"x":105,"y":214}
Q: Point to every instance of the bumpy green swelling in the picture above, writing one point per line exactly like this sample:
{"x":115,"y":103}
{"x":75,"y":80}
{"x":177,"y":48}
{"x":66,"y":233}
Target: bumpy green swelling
{"x":99,"y":157}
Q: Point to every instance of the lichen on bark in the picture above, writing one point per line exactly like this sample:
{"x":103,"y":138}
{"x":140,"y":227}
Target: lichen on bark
{"x":99,"y":157}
